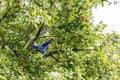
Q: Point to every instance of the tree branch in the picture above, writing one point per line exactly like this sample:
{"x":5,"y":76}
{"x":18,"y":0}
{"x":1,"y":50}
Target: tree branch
{"x":56,"y":52}
{"x":55,"y":58}
{"x":36,"y":36}
{"x":16,"y":52}
{"x":53,"y":52}
{"x":113,"y":61}
{"x":24,"y":36}
{"x":45,"y":37}
{"x":81,"y":49}
{"x":5,"y":14}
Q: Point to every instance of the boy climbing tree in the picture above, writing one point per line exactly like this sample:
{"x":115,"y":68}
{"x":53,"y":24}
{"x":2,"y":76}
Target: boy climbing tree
{"x":43,"y":46}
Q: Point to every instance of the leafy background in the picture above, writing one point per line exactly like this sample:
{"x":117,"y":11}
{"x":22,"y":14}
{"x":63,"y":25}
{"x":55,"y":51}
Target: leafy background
{"x":80,"y":50}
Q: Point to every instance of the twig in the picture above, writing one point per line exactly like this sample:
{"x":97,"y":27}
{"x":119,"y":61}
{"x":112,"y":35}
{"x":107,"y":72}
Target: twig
{"x":113,"y":61}
{"x":23,"y":37}
{"x":45,"y":36}
{"x":16,"y":53}
{"x":55,"y":58}
{"x":36,"y":2}
{"x":81,"y":49}
{"x":53,"y":52}
{"x":26,"y":33}
{"x":5,"y":15}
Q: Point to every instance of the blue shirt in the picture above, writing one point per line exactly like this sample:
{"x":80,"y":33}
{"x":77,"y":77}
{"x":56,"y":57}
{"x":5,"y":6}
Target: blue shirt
{"x":42,"y":47}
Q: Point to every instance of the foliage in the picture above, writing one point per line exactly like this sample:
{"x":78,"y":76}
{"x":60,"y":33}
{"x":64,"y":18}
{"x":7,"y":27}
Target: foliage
{"x":80,"y":50}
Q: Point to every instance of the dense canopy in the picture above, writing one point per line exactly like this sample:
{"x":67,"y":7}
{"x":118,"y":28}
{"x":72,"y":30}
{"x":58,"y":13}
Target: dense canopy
{"x":80,"y":51}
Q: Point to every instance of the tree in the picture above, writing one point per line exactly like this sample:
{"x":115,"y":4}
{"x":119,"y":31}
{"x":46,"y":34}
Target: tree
{"x":78,"y":52}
